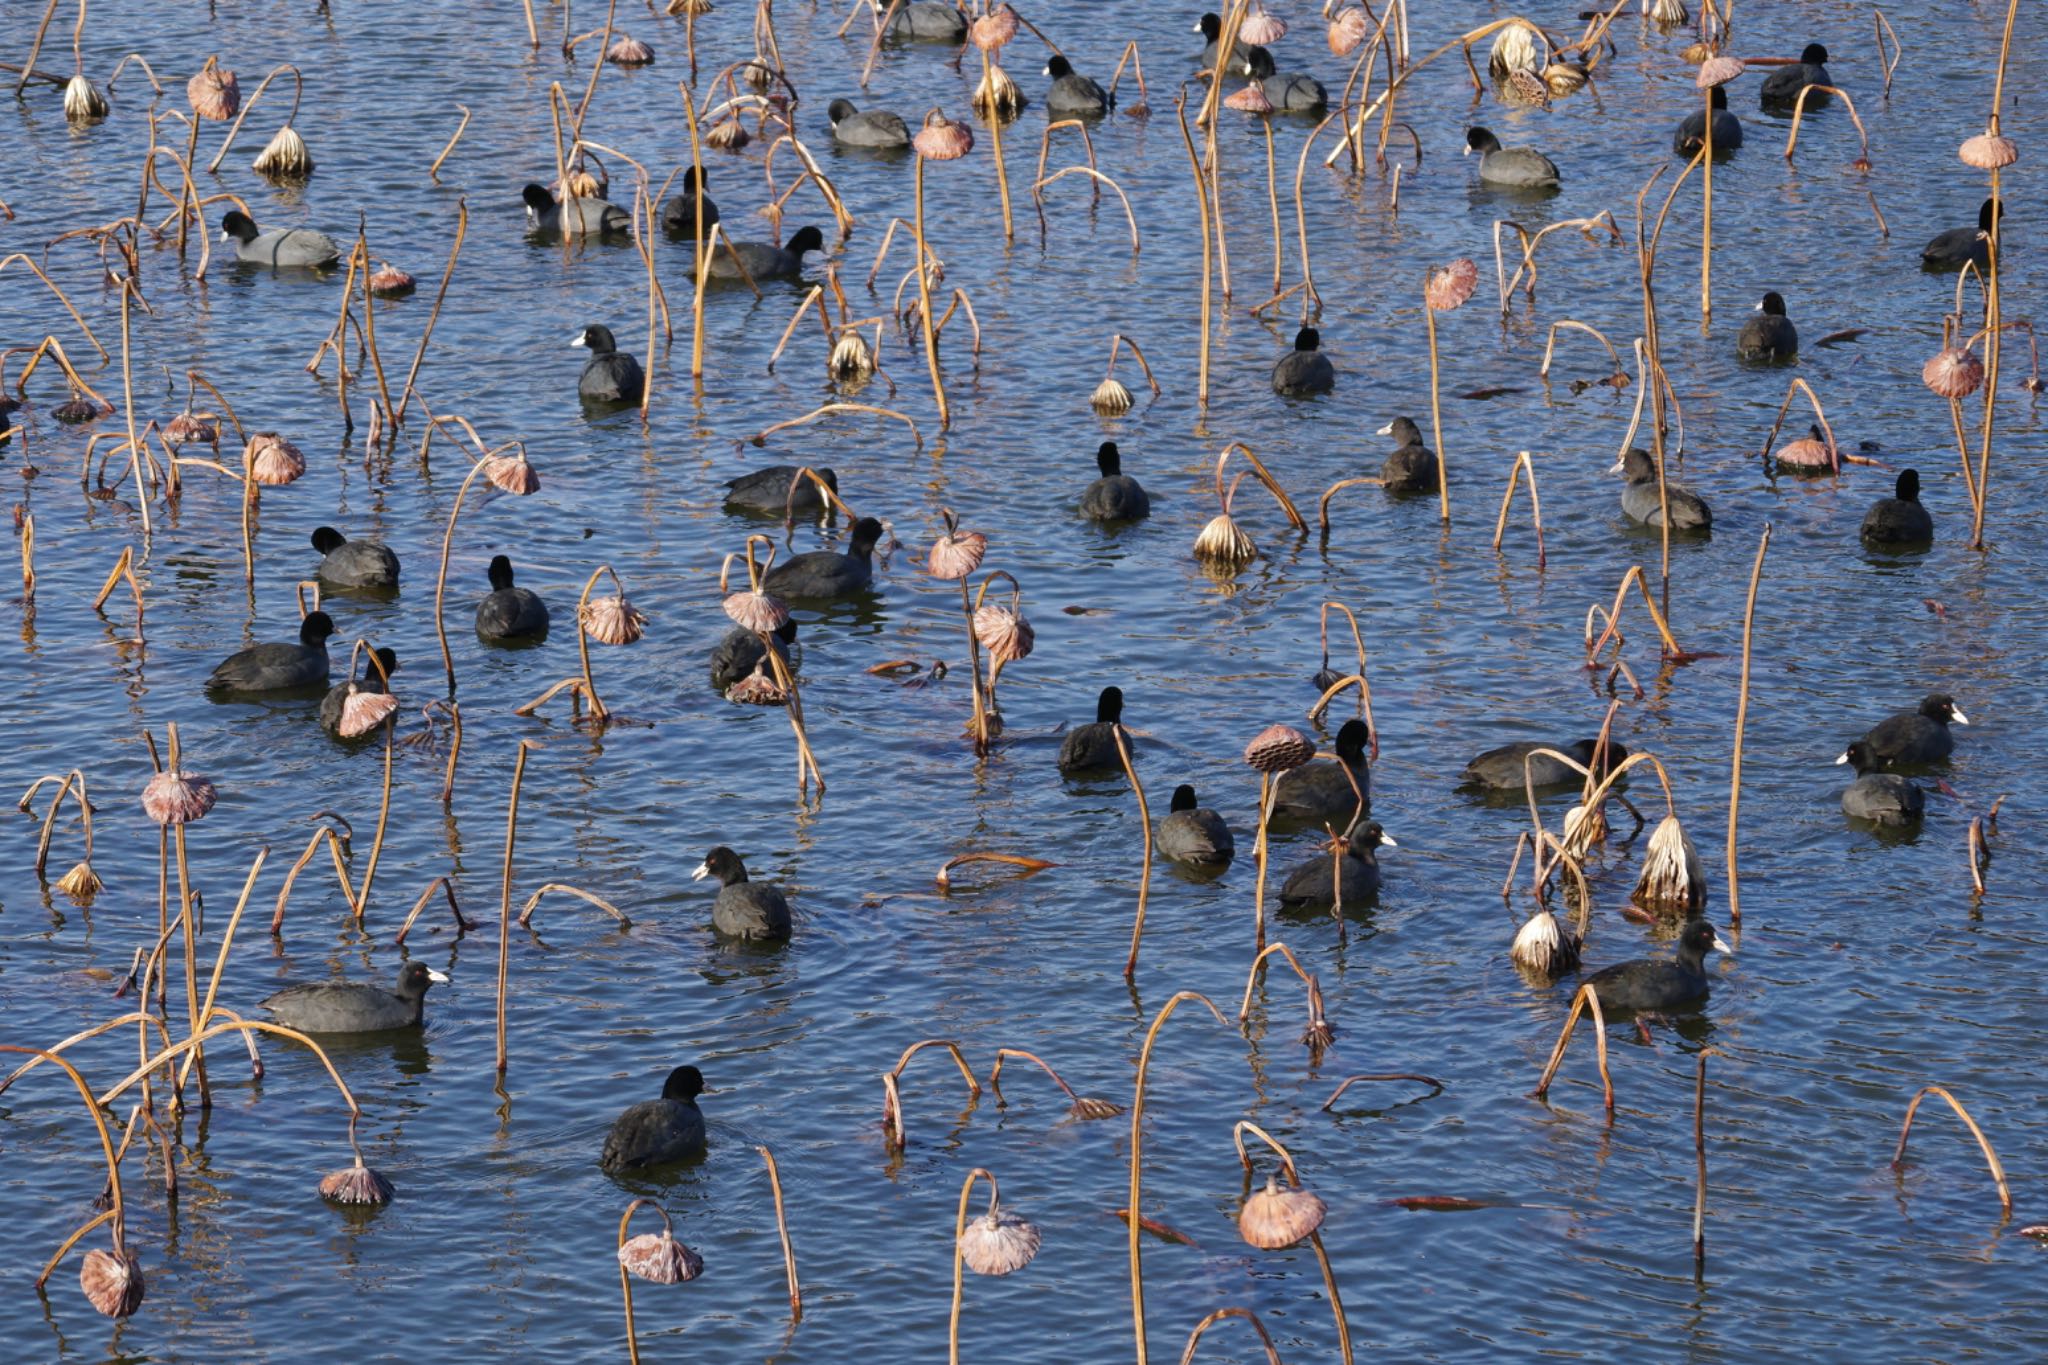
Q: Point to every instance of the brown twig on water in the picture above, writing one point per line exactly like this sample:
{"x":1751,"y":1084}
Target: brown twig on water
{"x":1350,"y":1081}
{"x":894,"y":1134}
{"x":1983,"y":1143}
{"x":944,"y":876}
{"x":796,"y":1293}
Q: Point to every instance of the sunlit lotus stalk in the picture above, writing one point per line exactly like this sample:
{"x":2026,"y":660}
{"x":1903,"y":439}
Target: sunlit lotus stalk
{"x":1444,"y":290}
{"x":1593,"y":646}
{"x":1276,"y":1218}
{"x":1983,"y":1143}
{"x":1221,"y":542}
{"x":997,"y":1243}
{"x":1273,"y":751}
{"x":1002,"y":630}
{"x":1180,"y":109}
{"x":447,"y":889}
{"x":1135,"y":1207}
{"x":655,"y":1257}
{"x":1794,"y":452}
{"x":1317,"y":1034}
{"x":893,"y":1132}
{"x":1992,"y":152}
{"x":989,"y":33}
{"x":1265,"y":1338}
{"x":505,"y":891}
{"x":1756,"y":574}
{"x":508,"y":469}
{"x":111,"y":1281}
{"x":285,"y":156}
{"x":1585,"y":998}
{"x":1081,"y":1107}
{"x":1713,"y":73}
{"x":175,"y":798}
{"x":1699,"y":1148}
{"x":1111,"y":398}
{"x":337,"y":846}
{"x":955,"y":555}
{"x":941,"y":139}
{"x":1123,"y":753}
{"x":440,"y":294}
{"x":81,"y":883}
{"x":610,"y":620}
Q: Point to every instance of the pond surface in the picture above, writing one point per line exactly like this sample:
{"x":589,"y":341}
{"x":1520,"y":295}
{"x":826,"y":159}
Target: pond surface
{"x":1865,"y":966}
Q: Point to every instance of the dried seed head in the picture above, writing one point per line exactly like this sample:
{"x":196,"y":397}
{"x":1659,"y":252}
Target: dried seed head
{"x":852,"y":361}
{"x":1665,"y":11}
{"x":1252,"y":100}
{"x":189,"y":429}
{"x":943,"y":139}
{"x":77,"y":410}
{"x":626,"y":50}
{"x":1260,"y":29}
{"x":1528,"y":87}
{"x":1274,"y":1219}
{"x":956,"y":554}
{"x":355,"y":1185}
{"x":660,"y":1258}
{"x":611,"y":620}
{"x":1004,"y":633}
{"x":689,"y":6}
{"x":389,"y":282}
{"x":214,"y":95}
{"x":1583,"y":829}
{"x":756,"y":611}
{"x":1673,"y":878}
{"x":1111,"y":398}
{"x":1716,"y":71}
{"x":177,"y":798}
{"x":1805,"y":453}
{"x":1953,"y":373}
{"x":81,"y":883}
{"x":997,"y":96}
{"x":1696,"y":53}
{"x":1088,"y":1107}
{"x":757,"y":688}
{"x":998,"y":1242}
{"x":273,"y":461}
{"x":1543,"y":945}
{"x":1515,"y":48}
{"x":82,"y":103}
{"x":1988,"y":151}
{"x":362,"y":712}
{"x":1564,"y":78}
{"x":727,"y":135}
{"x":1449,"y":287}
{"x":1277,"y":748}
{"x":112,"y":1281}
{"x":1222,"y":542}
{"x":994,"y":29}
{"x":1347,"y":31}
{"x":512,"y":473}
{"x":285,"y":156}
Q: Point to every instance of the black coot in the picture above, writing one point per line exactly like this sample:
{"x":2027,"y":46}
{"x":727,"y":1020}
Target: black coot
{"x":1653,"y":984}
{"x":1769,"y":334}
{"x":1781,"y":88}
{"x":510,"y":612}
{"x":1192,"y":833}
{"x":348,"y":563}
{"x":927,"y":21}
{"x":1321,"y":792}
{"x":1692,"y":129}
{"x":1689,"y":511}
{"x":375,"y":672}
{"x":1305,"y":370}
{"x":764,"y":261}
{"x":743,"y":909}
{"x":1412,"y":468}
{"x":820,"y":575}
{"x":657,"y":1132}
{"x":1880,"y":797}
{"x":1910,"y":737}
{"x":1958,"y":247}
{"x":1317,"y":883}
{"x":1501,"y":769}
{"x":1511,"y":168}
{"x":1092,"y":747}
{"x":1289,"y":92}
{"x":610,"y":375}
{"x":769,"y":492}
{"x":1073,"y":95}
{"x":679,"y":210}
{"x":1900,"y":519}
{"x":282,"y":249}
{"x":874,"y":128}
{"x":1115,"y":496}
{"x":739,"y":651}
{"x":278,"y":667}
{"x":580,"y":217}
{"x":345,"y":1007}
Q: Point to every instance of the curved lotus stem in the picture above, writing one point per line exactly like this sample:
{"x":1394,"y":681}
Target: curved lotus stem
{"x":1528,"y":242}
{"x":1030,"y":865}
{"x":796,"y":1293}
{"x":505,"y":889}
{"x":582,"y":688}
{"x":533,"y":903}
{"x":1123,"y":753}
{"x":118,"y":1212}
{"x":1983,"y":1143}
{"x":85,"y":808}
{"x":1315,"y":1238}
{"x":1265,"y":1339}
{"x":1323,"y":506}
{"x":1130,"y":218}
{"x":447,"y":888}
{"x":298,"y":90}
{"x":75,"y":317}
{"x":1820,"y":417}
{"x":924,"y":295}
{"x":1137,"y":1156}
{"x":448,"y":541}
{"x":1634,"y":575}
{"x":1364,"y":689}
{"x":1350,"y":1081}
{"x":1180,"y":109}
{"x":893,"y":1132}
{"x":1080,"y":1106}
{"x":338,"y":851}
{"x":1586,"y":997}
{"x":760,"y":438}
{"x":826,"y":494}
{"x":1522,"y":463}
{"x":1318,"y":1034}
{"x":1265,"y":476}
{"x":1619,"y":379}
{"x":440,"y":294}
{"x":625,"y":1281}
{"x":754,"y":571}
{"x":959,"y":1233}
{"x":1756,"y":574}
{"x":1862,"y":162}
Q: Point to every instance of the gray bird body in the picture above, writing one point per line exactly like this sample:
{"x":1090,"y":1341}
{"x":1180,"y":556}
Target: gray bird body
{"x":1899,"y":519}
{"x":348,"y":1007}
{"x":1198,"y":837}
{"x":278,"y":667}
{"x":358,"y":564}
{"x":1653,"y":984}
{"x":1640,"y":502}
{"x":926,"y":22}
{"x":1515,"y":168}
{"x":658,"y":1132}
{"x":876,"y":129}
{"x":289,"y":249}
{"x":1502,"y":768}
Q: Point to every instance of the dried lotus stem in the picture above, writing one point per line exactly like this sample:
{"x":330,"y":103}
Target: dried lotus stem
{"x":1756,"y":574}
{"x":1323,"y":506}
{"x":533,"y":903}
{"x":1350,"y":1081}
{"x":1082,"y":1108}
{"x":1820,"y":418}
{"x":337,"y":848}
{"x":1619,"y":379}
{"x":1315,"y":1236}
{"x":1123,"y":753}
{"x":944,"y":875}
{"x":1635,"y":575}
{"x":760,"y":438}
{"x":1862,"y":162}
{"x":447,"y":889}
{"x":1983,"y":1143}
{"x":796,"y":1293}
{"x":1521,"y":463}
{"x":1265,"y":1339}
{"x":505,"y":890}
{"x":298,"y":90}
{"x":1585,"y":997}
{"x":893,"y":1132}
{"x":1319,"y":1033}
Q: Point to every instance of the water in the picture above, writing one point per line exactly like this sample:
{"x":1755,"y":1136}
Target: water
{"x":1865,"y":967}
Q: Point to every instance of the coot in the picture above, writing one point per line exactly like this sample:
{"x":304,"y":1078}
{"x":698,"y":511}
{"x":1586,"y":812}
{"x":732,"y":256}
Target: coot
{"x":743,"y":909}
{"x":1692,"y":129}
{"x":282,"y":249}
{"x":1073,"y":95}
{"x":580,"y":217}
{"x":1653,"y":984}
{"x":1501,"y":769}
{"x":738,"y":652}
{"x":346,"y":563}
{"x":764,"y":261}
{"x":346,"y":1007}
{"x":278,"y":667}
{"x":1880,"y":797}
{"x":657,"y":1132}
{"x":1911,"y":737}
{"x":1289,"y":92}
{"x":1305,"y":370}
{"x":1092,"y":747}
{"x":1515,"y":168}
{"x":1412,"y":468}
{"x":372,"y":680}
{"x":875,"y":128}
{"x":1322,"y":792}
{"x":510,"y":612}
{"x":823,"y":574}
{"x":1768,"y":334}
{"x":1192,"y":833}
{"x":1958,"y":247}
{"x":610,"y":375}
{"x":1689,"y":511}
{"x":1781,"y":88}
{"x":679,"y":210}
{"x":1317,"y":883}
{"x":768,"y":491}
{"x":1900,"y":519}
{"x":1115,"y":496}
